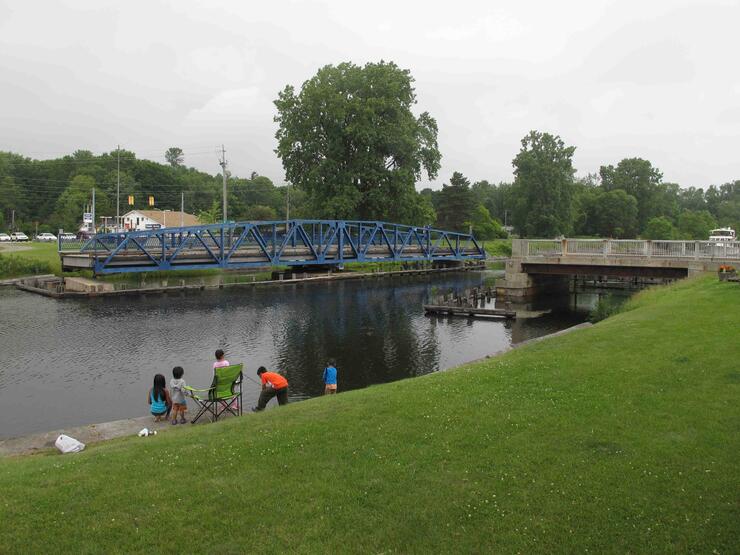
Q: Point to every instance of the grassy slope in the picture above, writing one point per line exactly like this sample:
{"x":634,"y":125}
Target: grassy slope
{"x":622,"y":437}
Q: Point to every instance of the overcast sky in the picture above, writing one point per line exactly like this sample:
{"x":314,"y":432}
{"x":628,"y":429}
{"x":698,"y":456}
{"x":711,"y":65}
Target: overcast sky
{"x":654,"y":79}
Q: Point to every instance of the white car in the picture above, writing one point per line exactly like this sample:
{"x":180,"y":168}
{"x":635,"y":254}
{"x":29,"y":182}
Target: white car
{"x":67,"y":236}
{"x":18,"y":236}
{"x":46,"y":237}
{"x":4,"y":237}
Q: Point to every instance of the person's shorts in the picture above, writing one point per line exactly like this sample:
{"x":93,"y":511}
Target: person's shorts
{"x":159,"y":413}
{"x":331,"y":386}
{"x":180,"y":407}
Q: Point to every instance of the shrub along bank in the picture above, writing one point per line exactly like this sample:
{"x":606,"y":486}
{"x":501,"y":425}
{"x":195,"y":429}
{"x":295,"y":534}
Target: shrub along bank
{"x":622,"y":437}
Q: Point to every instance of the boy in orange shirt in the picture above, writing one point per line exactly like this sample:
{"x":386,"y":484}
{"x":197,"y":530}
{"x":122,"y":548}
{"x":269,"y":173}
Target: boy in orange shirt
{"x":273,"y":385}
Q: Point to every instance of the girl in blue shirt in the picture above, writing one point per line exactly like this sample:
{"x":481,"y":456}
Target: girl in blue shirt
{"x":159,"y":399}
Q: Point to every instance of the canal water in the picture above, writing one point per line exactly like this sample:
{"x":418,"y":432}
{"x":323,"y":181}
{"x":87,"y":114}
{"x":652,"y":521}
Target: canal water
{"x":70,"y":362}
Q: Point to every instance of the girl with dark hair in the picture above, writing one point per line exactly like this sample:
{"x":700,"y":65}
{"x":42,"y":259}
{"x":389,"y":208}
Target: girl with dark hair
{"x":159,"y":399}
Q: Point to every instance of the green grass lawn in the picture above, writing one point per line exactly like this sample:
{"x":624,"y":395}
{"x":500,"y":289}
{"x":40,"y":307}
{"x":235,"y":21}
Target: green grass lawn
{"x":34,"y":258}
{"x":497,"y":247}
{"x":623,"y":437}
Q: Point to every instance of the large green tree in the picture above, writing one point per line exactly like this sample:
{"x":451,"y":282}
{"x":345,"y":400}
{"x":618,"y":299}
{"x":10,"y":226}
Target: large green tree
{"x":610,"y":214}
{"x":75,"y":199}
{"x":695,"y":224}
{"x":638,"y":177}
{"x":544,"y":188}
{"x":350,"y":139}
{"x":659,"y":227}
{"x":174,"y":156}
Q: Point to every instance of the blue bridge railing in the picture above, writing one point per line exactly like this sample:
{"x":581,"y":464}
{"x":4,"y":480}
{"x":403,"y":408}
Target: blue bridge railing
{"x":278,"y":243}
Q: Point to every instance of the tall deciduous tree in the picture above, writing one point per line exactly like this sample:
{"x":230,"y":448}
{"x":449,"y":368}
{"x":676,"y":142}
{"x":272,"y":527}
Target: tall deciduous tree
{"x":350,"y":139}
{"x":543,"y":172}
{"x":612,"y":214}
{"x":174,"y":156}
{"x":640,"y":179}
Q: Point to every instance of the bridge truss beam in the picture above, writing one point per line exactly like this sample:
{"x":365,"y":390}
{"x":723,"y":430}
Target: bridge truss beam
{"x":274,"y":243}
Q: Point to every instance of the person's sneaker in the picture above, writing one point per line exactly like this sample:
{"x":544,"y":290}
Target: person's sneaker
{"x":174,"y":422}
{"x":182,"y":421}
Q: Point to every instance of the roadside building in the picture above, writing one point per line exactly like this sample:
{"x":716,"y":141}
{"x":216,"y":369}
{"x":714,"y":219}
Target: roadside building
{"x":141,"y":220}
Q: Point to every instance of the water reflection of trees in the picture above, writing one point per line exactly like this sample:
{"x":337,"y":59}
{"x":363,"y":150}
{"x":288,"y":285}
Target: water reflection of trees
{"x":375,"y":330}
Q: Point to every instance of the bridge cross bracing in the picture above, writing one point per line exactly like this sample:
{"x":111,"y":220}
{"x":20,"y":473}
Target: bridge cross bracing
{"x":275,"y":243}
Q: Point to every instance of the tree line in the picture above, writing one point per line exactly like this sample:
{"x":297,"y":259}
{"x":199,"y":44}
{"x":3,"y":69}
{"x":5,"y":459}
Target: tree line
{"x":54,"y":193}
{"x":352,"y":148}
{"x":621,"y":201}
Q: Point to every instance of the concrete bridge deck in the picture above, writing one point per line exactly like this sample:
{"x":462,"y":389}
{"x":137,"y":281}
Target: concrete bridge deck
{"x":536,"y":264}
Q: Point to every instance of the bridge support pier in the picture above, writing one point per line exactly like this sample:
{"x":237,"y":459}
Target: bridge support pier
{"x":521,"y":286}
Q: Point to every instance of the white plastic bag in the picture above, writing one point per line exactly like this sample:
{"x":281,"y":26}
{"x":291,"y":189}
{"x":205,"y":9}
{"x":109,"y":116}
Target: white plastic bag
{"x":147,"y":432}
{"x":68,"y":444}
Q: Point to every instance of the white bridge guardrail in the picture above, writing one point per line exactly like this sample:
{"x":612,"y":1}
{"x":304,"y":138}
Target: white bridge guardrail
{"x":725,"y":250}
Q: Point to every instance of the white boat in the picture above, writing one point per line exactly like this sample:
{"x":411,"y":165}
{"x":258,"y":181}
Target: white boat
{"x":722,"y":235}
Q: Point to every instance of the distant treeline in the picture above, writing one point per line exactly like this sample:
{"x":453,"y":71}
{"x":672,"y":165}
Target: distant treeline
{"x":54,"y":193}
{"x":623,"y":201}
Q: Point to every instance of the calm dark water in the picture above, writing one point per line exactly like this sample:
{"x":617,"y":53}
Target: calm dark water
{"x":73,"y":362}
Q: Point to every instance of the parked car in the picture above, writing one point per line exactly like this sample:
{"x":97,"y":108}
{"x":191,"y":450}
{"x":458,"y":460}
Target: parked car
{"x":46,"y":237}
{"x":4,"y":237}
{"x":18,"y":236}
{"x":66,"y":236}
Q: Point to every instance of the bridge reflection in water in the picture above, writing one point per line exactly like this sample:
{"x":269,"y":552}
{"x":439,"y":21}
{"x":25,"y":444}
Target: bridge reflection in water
{"x":277,"y":243}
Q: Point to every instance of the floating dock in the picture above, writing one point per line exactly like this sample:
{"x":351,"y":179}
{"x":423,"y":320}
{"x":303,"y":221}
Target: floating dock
{"x":469,"y":311}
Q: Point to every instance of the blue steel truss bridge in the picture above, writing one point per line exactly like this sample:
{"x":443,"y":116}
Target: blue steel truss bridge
{"x":233,"y":245}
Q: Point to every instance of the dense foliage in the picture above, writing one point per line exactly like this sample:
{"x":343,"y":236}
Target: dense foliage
{"x":54,"y":193}
{"x":350,"y":140}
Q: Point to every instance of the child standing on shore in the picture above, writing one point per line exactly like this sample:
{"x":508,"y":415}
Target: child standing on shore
{"x":330,"y":378}
{"x":179,"y":404}
{"x":159,"y":399}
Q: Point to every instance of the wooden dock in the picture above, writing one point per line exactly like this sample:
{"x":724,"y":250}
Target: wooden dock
{"x":469,"y":311}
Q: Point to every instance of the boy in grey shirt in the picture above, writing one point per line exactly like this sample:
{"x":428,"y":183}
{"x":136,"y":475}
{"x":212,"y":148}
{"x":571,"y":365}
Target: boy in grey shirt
{"x":177,"y":392}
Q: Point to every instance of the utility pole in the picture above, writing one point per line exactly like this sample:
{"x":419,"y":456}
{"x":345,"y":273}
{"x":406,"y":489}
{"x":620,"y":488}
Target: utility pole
{"x":222,"y":163}
{"x":118,"y":189}
{"x":93,"y":210}
{"x":182,"y":208}
{"x":12,"y":220}
{"x":287,"y":204}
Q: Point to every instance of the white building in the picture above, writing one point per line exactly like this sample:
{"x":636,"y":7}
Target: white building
{"x":141,"y":220}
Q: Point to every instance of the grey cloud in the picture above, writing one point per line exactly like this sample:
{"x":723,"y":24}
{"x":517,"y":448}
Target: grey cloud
{"x":653,"y":79}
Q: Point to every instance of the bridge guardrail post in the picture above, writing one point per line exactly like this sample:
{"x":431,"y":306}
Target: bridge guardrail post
{"x":564,"y":247}
{"x":696,"y":250}
{"x":605,"y":248}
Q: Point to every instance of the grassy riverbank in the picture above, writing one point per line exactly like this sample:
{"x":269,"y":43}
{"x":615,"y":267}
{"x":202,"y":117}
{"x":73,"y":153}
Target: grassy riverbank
{"x":619,"y":438}
{"x":24,"y":259}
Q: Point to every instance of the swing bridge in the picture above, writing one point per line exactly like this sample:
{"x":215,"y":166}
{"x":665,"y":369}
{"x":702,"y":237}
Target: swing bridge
{"x":294,"y":243}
